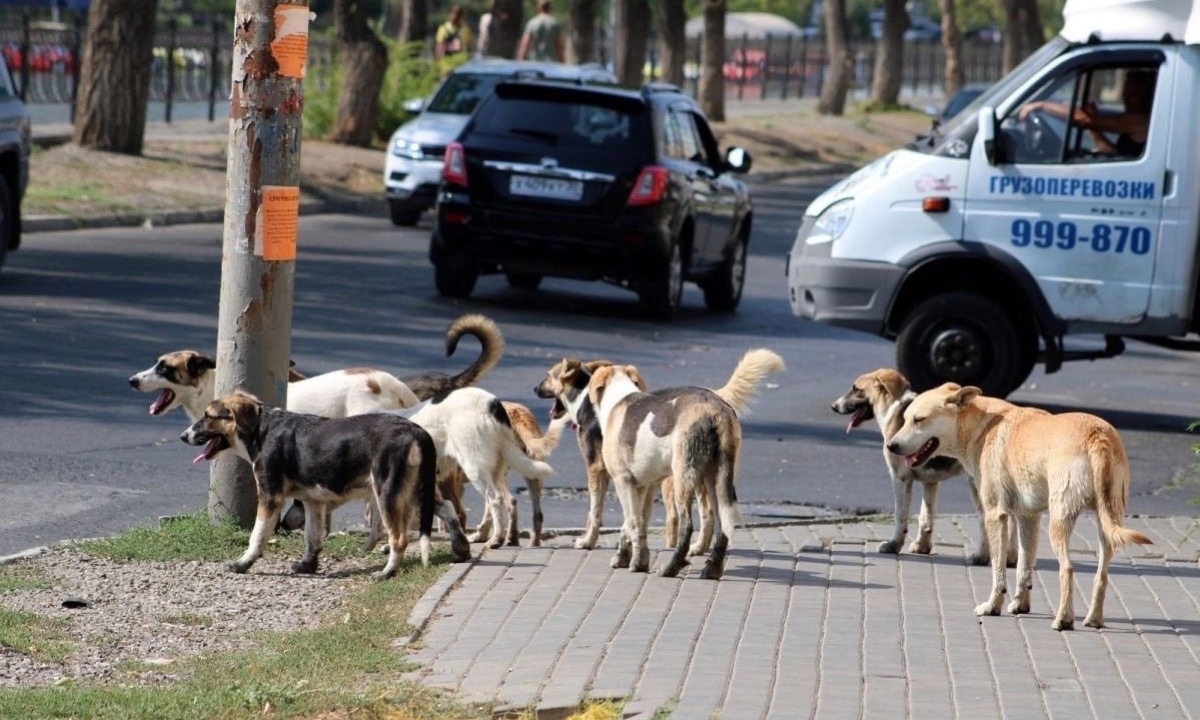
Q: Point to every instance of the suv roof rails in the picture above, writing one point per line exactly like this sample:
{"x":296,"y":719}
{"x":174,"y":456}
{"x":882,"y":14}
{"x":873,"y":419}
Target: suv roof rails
{"x":528,"y":74}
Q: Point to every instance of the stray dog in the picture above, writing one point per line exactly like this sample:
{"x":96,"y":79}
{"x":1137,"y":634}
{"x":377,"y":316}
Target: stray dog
{"x":538,"y":446}
{"x":690,"y":433}
{"x":187,"y":379}
{"x":882,"y":396}
{"x":325,"y":462}
{"x":473,"y":434}
{"x":566,"y":383}
{"x":1028,"y":461}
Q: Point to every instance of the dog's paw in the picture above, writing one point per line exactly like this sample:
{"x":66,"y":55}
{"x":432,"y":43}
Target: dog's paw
{"x":712,"y":570}
{"x":696,"y":550}
{"x":304,"y":567}
{"x":918,"y":547}
{"x":889,"y":547}
{"x":979,"y":558}
{"x":382,"y":575}
{"x":619,"y":561}
{"x":1094,"y":621}
{"x":987,"y":608}
{"x":238,"y":567}
{"x":1018,"y":607}
{"x":476,"y":537}
{"x":585,"y":543}
{"x":670,"y":569}
{"x":1063,"y":623}
{"x":460,"y":548}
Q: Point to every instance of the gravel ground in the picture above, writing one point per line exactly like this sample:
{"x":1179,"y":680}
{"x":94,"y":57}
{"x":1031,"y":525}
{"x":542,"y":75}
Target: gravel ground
{"x":158,"y":613}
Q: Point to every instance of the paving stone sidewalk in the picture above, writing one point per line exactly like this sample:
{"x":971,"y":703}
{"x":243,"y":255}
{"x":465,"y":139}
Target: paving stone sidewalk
{"x":809,"y":621}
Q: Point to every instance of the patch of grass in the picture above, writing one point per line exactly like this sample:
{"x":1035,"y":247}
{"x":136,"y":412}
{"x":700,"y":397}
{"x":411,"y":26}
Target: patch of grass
{"x":348,"y":667}
{"x":599,"y":710}
{"x":60,"y":199}
{"x":664,"y":711}
{"x":184,"y":539}
{"x":15,"y":577}
{"x":34,"y":635}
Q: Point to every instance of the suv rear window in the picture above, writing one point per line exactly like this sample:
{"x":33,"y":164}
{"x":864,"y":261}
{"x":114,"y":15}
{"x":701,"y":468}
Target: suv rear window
{"x":567,"y":119}
{"x":462,"y":92}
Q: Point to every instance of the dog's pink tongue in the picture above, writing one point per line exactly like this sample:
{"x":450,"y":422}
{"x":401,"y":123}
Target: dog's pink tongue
{"x":856,"y":419}
{"x":161,"y":402}
{"x":910,"y":460}
{"x":200,"y":458}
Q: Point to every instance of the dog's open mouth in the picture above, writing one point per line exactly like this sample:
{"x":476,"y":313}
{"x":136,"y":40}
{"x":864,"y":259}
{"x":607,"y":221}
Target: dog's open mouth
{"x":159,"y":406}
{"x":558,"y":409}
{"x":925,"y":452}
{"x":859,"y":417}
{"x":212,"y":448}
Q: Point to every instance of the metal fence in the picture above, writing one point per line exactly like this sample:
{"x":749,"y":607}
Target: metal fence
{"x":192,"y":64}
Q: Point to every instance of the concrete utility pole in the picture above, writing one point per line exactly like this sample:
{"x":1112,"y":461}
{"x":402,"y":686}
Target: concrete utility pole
{"x":262,"y":203}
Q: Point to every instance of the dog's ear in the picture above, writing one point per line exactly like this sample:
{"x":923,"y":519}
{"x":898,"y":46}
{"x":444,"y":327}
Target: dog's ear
{"x":598,"y":382}
{"x":591,"y":366}
{"x":198,"y":364}
{"x":636,"y":377}
{"x":294,"y":375}
{"x":891,"y":383}
{"x":964,"y":395}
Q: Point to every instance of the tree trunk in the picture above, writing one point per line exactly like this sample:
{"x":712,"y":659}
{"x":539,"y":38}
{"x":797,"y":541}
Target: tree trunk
{"x":363,"y":58}
{"x":392,"y":16}
{"x":415,"y":26}
{"x":712,"y":66}
{"x":508,"y":23}
{"x":114,"y":80}
{"x":889,"y":55}
{"x":581,"y":20}
{"x":1010,"y":53}
{"x":672,"y":44}
{"x":1032,"y":35}
{"x":632,"y":40}
{"x":954,"y":77}
{"x":841,"y":63}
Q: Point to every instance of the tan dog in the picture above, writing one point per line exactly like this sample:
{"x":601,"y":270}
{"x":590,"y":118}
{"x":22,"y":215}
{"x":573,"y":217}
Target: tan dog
{"x":882,"y":396}
{"x":538,"y":446}
{"x":1028,"y":461}
{"x":689,"y":433}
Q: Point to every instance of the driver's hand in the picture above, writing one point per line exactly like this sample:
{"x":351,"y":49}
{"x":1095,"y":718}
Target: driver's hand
{"x":1028,"y":108}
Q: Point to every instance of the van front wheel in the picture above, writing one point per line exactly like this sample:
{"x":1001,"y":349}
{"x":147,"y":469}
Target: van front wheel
{"x":965,"y":338}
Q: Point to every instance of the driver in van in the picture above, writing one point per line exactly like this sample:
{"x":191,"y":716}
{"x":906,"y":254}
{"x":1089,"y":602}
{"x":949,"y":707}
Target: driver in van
{"x":1130,"y":125}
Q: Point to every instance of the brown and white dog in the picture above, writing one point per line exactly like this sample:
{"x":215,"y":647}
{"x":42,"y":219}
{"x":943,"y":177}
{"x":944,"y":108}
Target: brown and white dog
{"x":689,"y":433}
{"x":1028,"y":461}
{"x":538,"y":446}
{"x":882,"y":396}
{"x":566,"y":383}
{"x":324,"y":462}
{"x":473,"y":434}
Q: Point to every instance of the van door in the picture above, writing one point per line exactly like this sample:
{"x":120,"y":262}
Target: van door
{"x":1077,"y":192}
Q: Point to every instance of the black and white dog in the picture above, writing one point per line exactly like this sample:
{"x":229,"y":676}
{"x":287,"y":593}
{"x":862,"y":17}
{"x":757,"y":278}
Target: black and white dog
{"x":325,"y":462}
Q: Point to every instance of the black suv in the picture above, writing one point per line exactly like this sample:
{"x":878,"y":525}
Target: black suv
{"x":593,"y":183}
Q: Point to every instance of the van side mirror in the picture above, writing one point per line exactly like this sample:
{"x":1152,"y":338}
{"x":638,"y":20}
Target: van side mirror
{"x":415,"y":105}
{"x":988,"y":136}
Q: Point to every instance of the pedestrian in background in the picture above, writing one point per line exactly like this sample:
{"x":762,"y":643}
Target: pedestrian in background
{"x":543,"y":38}
{"x":485,"y":34}
{"x":453,"y":36}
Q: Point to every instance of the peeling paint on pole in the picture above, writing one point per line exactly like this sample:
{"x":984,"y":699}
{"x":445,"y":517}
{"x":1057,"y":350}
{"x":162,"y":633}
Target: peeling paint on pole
{"x":266,"y":102}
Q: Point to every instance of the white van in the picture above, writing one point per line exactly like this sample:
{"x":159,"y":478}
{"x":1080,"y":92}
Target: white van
{"x":1063,"y":202}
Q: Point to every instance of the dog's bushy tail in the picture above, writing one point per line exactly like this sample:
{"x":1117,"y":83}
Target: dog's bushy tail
{"x":491,"y":342}
{"x":1110,"y":483}
{"x":538,"y":445}
{"x":750,"y":370}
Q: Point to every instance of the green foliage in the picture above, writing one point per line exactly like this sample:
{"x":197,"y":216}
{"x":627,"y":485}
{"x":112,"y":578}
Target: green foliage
{"x":16,"y":577}
{"x":188,"y":538}
{"x":30,"y":634}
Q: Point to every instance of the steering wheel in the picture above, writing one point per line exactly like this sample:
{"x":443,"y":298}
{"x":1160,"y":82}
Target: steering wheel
{"x":1039,"y":139}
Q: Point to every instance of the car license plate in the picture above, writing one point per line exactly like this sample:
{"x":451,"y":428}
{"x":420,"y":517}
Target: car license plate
{"x":545,"y":187}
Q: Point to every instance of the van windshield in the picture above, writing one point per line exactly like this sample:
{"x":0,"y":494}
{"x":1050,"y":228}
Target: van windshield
{"x":962,"y":125}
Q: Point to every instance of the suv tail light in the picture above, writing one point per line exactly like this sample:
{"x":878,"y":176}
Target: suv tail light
{"x":649,"y":188}
{"x":454,"y":164}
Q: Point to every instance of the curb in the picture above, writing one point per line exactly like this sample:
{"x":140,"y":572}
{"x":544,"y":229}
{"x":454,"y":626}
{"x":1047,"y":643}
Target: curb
{"x":422,"y":611}
{"x":57,"y":223}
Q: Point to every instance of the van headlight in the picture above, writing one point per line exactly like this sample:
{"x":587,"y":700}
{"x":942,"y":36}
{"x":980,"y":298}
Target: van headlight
{"x":832,"y":223}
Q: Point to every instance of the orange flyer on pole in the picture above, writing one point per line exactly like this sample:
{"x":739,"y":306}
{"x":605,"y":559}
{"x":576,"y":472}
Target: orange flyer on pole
{"x":280,"y":222}
{"x":290,"y":46}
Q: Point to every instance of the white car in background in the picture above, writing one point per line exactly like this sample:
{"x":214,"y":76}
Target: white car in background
{"x":413,"y":168}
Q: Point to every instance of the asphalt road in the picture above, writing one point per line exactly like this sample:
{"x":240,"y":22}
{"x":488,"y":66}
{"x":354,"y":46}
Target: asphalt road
{"x":81,"y":311}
